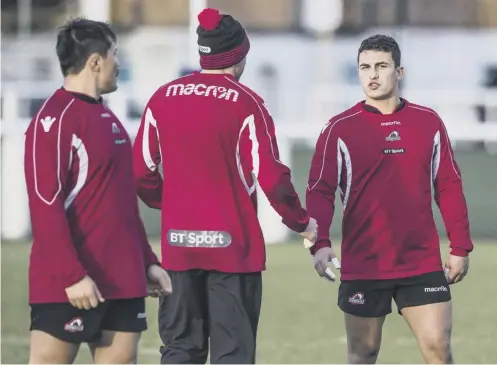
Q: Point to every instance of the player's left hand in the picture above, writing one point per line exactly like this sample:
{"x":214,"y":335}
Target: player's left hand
{"x":322,"y":258}
{"x":456,"y":268}
{"x":159,"y":282}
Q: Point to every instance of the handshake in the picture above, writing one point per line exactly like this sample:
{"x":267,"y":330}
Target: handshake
{"x":323,"y":256}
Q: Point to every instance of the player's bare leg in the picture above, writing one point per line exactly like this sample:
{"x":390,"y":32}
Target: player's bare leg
{"x":46,"y":349}
{"x":432,"y":326}
{"x":363,"y":338}
{"x":116,"y":348}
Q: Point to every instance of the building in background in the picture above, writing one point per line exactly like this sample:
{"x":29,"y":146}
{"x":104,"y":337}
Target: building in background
{"x":305,"y":71}
{"x":154,"y":43}
{"x":261,"y":15}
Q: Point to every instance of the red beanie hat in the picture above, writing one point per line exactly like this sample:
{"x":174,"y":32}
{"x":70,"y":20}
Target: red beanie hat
{"x":222,"y":41}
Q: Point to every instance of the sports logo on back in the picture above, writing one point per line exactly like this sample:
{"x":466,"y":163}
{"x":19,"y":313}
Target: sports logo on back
{"x":219,"y":92}
{"x":210,"y":239}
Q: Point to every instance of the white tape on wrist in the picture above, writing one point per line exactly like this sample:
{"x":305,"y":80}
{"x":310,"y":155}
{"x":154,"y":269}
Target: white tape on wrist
{"x":307,"y":243}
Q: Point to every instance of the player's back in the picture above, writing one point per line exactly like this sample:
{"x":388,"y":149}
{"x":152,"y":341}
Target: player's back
{"x":205,"y":202}
{"x":201,"y":125}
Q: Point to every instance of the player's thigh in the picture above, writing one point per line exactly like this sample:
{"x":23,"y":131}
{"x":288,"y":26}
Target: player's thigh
{"x":46,"y":349}
{"x":116,"y":348}
{"x":57,"y":330}
{"x":122,"y":325}
{"x":364,"y":336}
{"x":365,"y":304}
{"x":183,"y":318}
{"x":425,"y":303}
{"x":432,"y":326}
{"x":234,"y":309}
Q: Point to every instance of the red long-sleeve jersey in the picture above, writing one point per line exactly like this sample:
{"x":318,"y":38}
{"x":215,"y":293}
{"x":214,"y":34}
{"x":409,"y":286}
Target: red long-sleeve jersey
{"x":215,"y":138}
{"x":83,"y":203}
{"x":388,"y":167}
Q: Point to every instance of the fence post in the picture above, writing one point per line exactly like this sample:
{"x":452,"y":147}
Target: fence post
{"x":14,"y":205}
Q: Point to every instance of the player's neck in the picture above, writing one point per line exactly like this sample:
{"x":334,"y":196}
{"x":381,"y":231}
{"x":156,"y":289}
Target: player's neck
{"x":386,"y":106}
{"x":82,"y":85}
{"x":224,"y":71}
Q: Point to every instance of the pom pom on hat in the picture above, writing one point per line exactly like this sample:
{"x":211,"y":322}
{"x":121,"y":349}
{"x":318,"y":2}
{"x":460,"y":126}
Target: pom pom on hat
{"x":209,"y":18}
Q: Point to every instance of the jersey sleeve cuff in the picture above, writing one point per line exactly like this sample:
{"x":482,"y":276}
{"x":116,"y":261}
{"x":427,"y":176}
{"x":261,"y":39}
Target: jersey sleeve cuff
{"x":459,"y":252}
{"x":151,"y":258}
{"x":299,"y":226}
{"x":151,"y":263}
{"x":74,"y":278}
{"x":319,"y":245}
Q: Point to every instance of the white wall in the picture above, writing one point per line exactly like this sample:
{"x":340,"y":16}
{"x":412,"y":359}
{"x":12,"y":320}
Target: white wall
{"x":443,"y":70}
{"x":433,"y":58}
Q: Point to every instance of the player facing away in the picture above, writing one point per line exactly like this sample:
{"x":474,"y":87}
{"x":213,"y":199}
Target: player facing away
{"x":90,"y":258}
{"x":215,"y":138}
{"x":388,"y":157}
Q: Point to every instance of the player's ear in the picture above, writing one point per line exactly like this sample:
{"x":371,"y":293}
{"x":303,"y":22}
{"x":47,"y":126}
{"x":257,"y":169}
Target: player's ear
{"x":94,"y":62}
{"x":400,"y":72}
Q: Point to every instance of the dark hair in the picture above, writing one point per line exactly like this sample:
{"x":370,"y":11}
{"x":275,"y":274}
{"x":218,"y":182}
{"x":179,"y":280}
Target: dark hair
{"x":78,"y":39}
{"x":384,"y":43}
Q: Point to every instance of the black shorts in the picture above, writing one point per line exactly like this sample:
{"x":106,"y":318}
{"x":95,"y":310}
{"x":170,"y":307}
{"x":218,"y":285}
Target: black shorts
{"x":373,"y":298}
{"x":215,"y":308}
{"x":70,"y":324}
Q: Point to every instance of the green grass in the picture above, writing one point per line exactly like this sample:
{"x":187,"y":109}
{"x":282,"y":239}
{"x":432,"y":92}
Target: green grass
{"x":300,"y":322}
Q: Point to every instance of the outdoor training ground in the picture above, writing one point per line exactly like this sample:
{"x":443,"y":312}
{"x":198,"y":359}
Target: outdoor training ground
{"x":300,"y":322}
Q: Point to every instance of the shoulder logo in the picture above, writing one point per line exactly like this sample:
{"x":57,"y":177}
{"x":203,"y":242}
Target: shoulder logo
{"x":47,"y":123}
{"x":115,"y":128}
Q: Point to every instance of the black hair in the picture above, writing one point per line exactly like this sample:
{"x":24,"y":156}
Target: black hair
{"x":78,"y":39}
{"x":384,"y":43}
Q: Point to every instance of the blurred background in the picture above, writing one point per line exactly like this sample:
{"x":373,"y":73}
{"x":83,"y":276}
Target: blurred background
{"x":303,"y":62}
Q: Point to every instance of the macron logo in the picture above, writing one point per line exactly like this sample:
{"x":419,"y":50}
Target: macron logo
{"x":386,"y":124}
{"x":436,"y":289}
{"x":219,"y":92}
{"x":47,"y":123}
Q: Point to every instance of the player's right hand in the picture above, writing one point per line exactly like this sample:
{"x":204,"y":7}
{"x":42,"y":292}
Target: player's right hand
{"x":84,"y":294}
{"x":311,"y":231}
{"x":322,"y":258}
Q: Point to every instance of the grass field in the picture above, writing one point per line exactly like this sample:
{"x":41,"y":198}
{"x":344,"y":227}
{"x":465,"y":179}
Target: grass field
{"x":300,"y":322}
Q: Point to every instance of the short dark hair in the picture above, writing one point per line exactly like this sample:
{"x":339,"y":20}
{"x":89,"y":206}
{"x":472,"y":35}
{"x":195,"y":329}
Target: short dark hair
{"x":78,"y":39}
{"x":384,"y":43}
